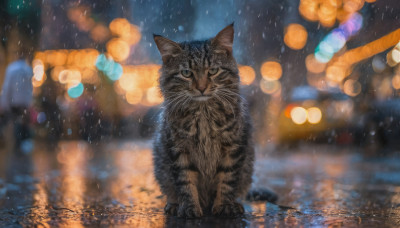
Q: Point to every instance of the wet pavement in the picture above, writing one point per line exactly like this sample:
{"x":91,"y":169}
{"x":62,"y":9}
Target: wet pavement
{"x":74,"y":184}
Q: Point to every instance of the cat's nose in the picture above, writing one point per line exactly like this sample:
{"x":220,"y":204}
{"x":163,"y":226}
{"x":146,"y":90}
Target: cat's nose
{"x":201,"y":89}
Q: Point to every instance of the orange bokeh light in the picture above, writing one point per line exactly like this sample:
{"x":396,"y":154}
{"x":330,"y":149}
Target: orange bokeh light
{"x":295,"y":36}
{"x":271,"y":70}
{"x":118,"y":49}
{"x":313,"y":65}
{"x":247,"y":75}
{"x":396,"y":81}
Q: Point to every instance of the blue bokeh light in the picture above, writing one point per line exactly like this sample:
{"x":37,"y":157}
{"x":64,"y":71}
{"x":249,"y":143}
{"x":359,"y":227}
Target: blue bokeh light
{"x":337,"y":38}
{"x":76,"y":91}
{"x":109,"y":67}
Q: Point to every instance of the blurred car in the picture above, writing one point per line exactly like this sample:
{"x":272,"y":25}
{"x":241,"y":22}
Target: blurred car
{"x":313,"y":115}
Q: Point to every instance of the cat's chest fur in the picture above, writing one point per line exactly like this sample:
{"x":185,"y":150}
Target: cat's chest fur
{"x":203,"y":134}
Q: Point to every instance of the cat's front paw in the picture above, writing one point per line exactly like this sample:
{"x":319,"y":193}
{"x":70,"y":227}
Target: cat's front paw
{"x":171,"y":209}
{"x":228,"y":210}
{"x":190,"y":211}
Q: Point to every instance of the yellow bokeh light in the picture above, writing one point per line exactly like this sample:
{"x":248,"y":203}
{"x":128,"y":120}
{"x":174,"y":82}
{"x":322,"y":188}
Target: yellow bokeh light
{"x":70,"y":77}
{"x":396,"y":81}
{"x":153,"y":96}
{"x":295,"y":36}
{"x":134,"y":96}
{"x":335,"y":73}
{"x":247,"y":75}
{"x":299,"y":115}
{"x":127,"y":81}
{"x":271,"y":70}
{"x":270,"y":87}
{"x":352,"y":87}
{"x":314,"y":115}
{"x":38,"y":70}
{"x":118,"y":49}
{"x":38,"y":83}
{"x":393,"y":57}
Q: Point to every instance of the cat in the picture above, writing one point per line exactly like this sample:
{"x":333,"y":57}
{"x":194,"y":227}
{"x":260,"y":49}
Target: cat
{"x":202,"y":152}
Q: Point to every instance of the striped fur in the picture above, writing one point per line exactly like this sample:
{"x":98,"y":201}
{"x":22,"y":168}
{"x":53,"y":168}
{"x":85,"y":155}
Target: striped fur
{"x":203,"y":154}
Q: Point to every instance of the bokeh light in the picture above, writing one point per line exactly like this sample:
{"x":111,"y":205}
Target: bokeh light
{"x":337,"y":38}
{"x":295,"y":36}
{"x":109,"y":67}
{"x":134,"y":96}
{"x":270,"y":87}
{"x":153,"y":96}
{"x":393,"y":57}
{"x":378,"y":64}
{"x":271,"y":70}
{"x":352,"y":87}
{"x":396,"y":81}
{"x":118,"y":49}
{"x":313,"y":65}
{"x":314,"y":115}
{"x":247,"y":75}
{"x":299,"y":115}
{"x":75,"y":91}
{"x":71,"y":77}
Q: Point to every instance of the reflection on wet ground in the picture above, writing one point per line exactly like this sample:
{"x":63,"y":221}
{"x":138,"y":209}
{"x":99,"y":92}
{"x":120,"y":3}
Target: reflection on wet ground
{"x":77,"y":184}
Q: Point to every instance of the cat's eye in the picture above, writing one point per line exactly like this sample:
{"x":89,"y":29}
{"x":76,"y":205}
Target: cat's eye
{"x":186,"y":73}
{"x":213,"y":71}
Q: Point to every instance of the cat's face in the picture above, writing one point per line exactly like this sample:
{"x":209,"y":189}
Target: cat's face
{"x":200,"y":70}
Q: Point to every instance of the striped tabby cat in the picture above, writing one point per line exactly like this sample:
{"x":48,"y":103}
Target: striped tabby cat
{"x":203,"y":154}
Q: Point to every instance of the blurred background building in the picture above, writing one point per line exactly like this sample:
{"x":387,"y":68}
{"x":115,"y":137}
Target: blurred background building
{"x":310,"y":69}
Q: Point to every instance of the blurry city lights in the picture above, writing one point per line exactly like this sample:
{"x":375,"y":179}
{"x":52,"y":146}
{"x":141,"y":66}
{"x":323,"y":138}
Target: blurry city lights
{"x":75,"y":91}
{"x":143,"y":76}
{"x":119,"y":26}
{"x":118,"y":49}
{"x":396,"y":81}
{"x":125,"y":30}
{"x":269,"y":87}
{"x":38,"y":69}
{"x":271,"y":70}
{"x":100,"y":33}
{"x":327,"y":14}
{"x":336,"y":73}
{"x":352,"y":87}
{"x":393,"y":57}
{"x":378,"y":64}
{"x":295,"y":36}
{"x":38,"y":83}
{"x":299,"y":115}
{"x":358,"y":54}
{"x":352,"y":6}
{"x":247,"y":75}
{"x":127,"y":81}
{"x":153,"y":96}
{"x":71,"y":77}
{"x":308,"y":9}
{"x":135,"y":96}
{"x":337,"y":38}
{"x":110,"y":68}
{"x":313,"y":65}
{"x":314,"y":115}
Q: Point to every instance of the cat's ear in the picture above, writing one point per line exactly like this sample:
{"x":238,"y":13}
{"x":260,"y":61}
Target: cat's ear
{"x":167,"y":48}
{"x":224,"y":39}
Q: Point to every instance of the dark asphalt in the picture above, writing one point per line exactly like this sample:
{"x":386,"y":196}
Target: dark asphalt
{"x":75,"y":184}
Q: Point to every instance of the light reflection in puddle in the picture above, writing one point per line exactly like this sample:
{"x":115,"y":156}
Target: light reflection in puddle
{"x":73,"y":158}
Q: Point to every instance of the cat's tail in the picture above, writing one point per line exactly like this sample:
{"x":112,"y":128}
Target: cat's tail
{"x":262,"y":194}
